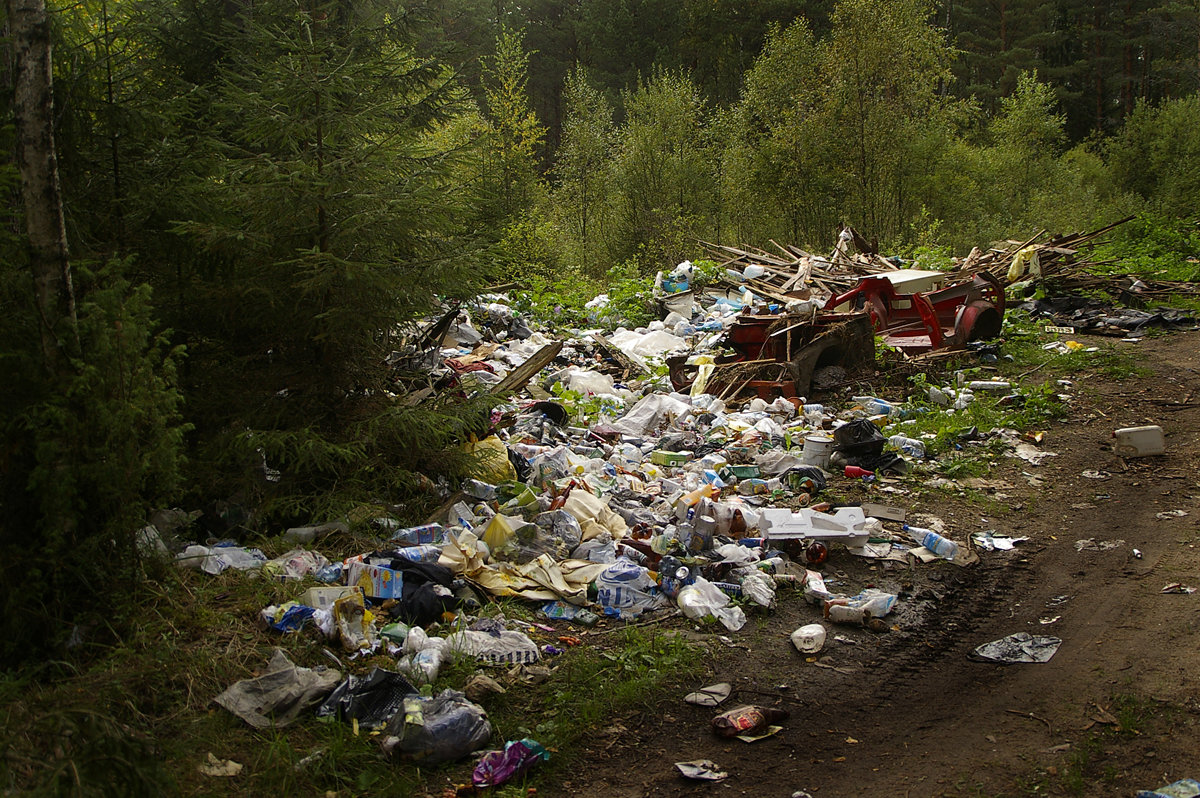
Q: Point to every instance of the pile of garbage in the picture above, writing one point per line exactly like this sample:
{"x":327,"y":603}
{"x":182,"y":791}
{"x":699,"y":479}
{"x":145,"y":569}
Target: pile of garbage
{"x":606,"y":490}
{"x":666,"y":503}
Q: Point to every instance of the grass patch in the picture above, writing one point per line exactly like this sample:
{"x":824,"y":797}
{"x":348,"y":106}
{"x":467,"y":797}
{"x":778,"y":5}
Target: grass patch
{"x":137,"y":719}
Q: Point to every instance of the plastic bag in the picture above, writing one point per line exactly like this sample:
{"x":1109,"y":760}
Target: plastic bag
{"x":759,"y":588}
{"x":296,"y":564}
{"x":505,"y":647}
{"x":701,"y":599}
{"x":216,"y":559}
{"x":277,"y":697}
{"x":497,"y":767}
{"x":626,"y":589}
{"x":651,"y":412}
{"x":434,"y":730}
{"x":560,"y":525}
{"x":859,"y":440}
{"x":598,"y":549}
{"x":372,"y":700}
{"x":549,"y":466}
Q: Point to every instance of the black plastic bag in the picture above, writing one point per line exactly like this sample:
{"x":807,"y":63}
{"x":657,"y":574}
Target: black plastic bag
{"x":858,"y":441}
{"x":372,"y":699}
{"x":440,"y":729}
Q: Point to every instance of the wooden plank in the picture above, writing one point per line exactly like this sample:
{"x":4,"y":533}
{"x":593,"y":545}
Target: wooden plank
{"x":625,"y":361}
{"x":518,"y":377}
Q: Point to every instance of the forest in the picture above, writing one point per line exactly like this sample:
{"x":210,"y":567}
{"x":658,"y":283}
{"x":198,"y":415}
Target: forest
{"x":259,"y":200}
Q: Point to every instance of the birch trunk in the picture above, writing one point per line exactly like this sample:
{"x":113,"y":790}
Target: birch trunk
{"x":38,"y":167}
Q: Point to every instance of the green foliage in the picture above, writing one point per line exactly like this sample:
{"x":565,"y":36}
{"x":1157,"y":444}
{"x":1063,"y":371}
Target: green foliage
{"x":1155,"y":246}
{"x":630,"y":296}
{"x":663,"y":170}
{"x":86,"y":459}
{"x":514,"y":134}
{"x":580,"y":198}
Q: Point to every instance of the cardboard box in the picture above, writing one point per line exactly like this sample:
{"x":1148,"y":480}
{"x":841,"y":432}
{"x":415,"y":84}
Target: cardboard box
{"x":322,"y":598}
{"x":376,"y":581}
{"x":659,"y":457}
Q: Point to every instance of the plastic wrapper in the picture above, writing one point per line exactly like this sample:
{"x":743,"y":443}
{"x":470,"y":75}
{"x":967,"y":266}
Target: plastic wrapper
{"x":216,"y":559}
{"x":440,"y":729}
{"x":289,"y":617}
{"x":296,"y":564}
{"x":626,"y":589}
{"x":372,"y":700}
{"x":498,"y":767}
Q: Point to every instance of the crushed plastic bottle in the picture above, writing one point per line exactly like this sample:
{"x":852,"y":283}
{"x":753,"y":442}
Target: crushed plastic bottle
{"x":941,"y":546}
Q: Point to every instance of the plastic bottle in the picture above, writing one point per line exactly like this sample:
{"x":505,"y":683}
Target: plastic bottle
{"x":424,"y":553}
{"x":426,"y":533}
{"x":942,"y":547}
{"x":747,"y":720}
{"x":703,"y":492}
{"x":910,"y":446}
{"x":874,"y":405}
{"x":752,"y":487}
{"x":854,"y":472}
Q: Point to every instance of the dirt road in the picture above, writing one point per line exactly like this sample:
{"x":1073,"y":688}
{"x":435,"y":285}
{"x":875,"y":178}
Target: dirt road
{"x":907,"y":714}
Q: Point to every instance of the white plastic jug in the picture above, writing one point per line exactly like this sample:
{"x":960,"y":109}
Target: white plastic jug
{"x":1139,"y":441}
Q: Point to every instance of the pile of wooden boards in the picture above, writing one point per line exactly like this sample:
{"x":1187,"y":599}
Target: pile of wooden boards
{"x":796,"y":274}
{"x":1066,"y":266}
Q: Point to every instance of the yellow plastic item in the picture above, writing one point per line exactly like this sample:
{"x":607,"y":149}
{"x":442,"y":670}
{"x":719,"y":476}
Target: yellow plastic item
{"x":499,"y":532}
{"x":493,"y":464}
{"x":1028,"y":256}
{"x":707,"y":367}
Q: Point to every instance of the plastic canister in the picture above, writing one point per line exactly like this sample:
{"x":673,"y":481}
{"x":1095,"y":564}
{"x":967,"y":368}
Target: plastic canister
{"x":1139,"y":441}
{"x":809,"y":639}
{"x":817,"y":450}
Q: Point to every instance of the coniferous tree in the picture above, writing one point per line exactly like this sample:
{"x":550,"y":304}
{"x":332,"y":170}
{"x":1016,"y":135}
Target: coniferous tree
{"x":331,"y":212}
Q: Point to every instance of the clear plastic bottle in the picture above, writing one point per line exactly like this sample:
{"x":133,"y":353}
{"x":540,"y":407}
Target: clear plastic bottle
{"x":942,"y":547}
{"x":910,"y":446}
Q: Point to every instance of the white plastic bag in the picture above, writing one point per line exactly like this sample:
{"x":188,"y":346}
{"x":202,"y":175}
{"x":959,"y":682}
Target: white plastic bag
{"x":625,"y":589}
{"x":702,"y":598}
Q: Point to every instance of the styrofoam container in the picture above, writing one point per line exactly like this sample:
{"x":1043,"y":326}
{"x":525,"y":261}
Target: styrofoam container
{"x":1139,"y":441}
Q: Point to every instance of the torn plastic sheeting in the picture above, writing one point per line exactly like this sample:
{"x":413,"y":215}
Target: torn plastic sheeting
{"x":433,"y":730}
{"x":650,"y":413}
{"x":990,"y":542}
{"x":1016,"y":648}
{"x":701,"y":770}
{"x":277,"y":697}
{"x":594,"y":515}
{"x":498,"y":767}
{"x":372,"y":700}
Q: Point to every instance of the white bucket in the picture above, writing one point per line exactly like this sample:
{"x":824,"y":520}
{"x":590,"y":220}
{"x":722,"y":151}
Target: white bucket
{"x":1139,"y":441}
{"x":817,"y":450}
